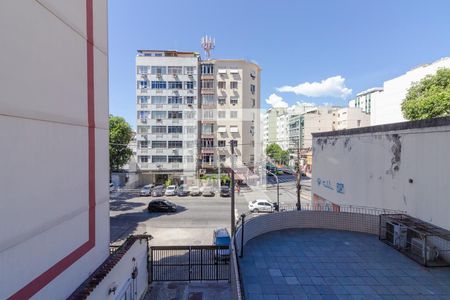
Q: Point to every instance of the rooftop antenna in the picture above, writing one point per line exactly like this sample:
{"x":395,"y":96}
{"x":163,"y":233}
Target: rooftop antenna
{"x":208,"y":43}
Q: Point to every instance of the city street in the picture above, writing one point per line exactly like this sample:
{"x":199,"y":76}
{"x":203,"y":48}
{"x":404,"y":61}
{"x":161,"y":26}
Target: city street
{"x":195,"y":219}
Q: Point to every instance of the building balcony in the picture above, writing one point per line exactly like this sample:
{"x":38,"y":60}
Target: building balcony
{"x":208,"y":165}
{"x":207,"y":135}
{"x":208,"y":106}
{"x":207,"y":91}
{"x":208,"y":150}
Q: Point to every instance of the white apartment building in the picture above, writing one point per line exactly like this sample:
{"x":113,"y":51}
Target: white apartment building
{"x":365,"y":99}
{"x":229,"y":103}
{"x":350,"y":117}
{"x":386,"y":108}
{"x":167,"y":114}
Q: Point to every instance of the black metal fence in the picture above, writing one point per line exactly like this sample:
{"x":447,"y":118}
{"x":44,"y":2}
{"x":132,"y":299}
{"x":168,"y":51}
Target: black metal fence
{"x":189,"y":263}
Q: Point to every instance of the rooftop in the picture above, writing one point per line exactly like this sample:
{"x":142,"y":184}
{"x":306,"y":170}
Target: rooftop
{"x":332,"y":264}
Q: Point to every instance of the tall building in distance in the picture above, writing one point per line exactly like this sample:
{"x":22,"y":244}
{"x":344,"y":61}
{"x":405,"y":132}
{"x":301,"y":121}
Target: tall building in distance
{"x":365,"y":99}
{"x":167,"y":110}
{"x":229,"y":105}
{"x":189,"y":111}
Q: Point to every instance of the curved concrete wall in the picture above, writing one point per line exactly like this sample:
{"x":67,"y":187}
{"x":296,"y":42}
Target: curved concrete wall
{"x":307,"y":219}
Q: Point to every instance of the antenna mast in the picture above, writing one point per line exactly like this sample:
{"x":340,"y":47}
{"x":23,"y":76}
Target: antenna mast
{"x":208,"y":43}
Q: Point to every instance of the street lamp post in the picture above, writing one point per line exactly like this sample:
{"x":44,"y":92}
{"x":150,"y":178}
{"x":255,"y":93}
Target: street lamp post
{"x":278,"y":189}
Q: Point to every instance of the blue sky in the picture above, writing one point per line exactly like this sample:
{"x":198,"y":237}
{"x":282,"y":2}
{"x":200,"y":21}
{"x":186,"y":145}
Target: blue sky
{"x":354,"y":44}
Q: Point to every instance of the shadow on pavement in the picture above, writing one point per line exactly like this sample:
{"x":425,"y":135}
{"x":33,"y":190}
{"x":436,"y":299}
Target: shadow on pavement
{"x":122,"y":205}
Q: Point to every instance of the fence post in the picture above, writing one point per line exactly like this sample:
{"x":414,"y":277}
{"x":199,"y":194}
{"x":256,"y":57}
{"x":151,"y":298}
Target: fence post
{"x":242,"y":235}
{"x":190,"y":267}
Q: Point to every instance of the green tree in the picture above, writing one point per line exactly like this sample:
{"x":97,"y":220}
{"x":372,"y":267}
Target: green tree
{"x":428,"y":98}
{"x":273,"y":150}
{"x":120,"y":135}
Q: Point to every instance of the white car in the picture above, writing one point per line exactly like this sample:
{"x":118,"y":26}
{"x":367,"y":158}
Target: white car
{"x":261,"y":205}
{"x":171,"y":190}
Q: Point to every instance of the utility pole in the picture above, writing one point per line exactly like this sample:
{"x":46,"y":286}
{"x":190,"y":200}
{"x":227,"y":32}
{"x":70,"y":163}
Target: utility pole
{"x":233,"y":217}
{"x":299,"y":176}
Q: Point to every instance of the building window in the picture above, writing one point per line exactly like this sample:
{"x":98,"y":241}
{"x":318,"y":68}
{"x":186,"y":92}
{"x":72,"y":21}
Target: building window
{"x":143,"y":129}
{"x":208,"y":114}
{"x":233,"y":85}
{"x":207,"y":84}
{"x":207,"y":158}
{"x":175,"y":85}
{"x":175,"y":100}
{"x":252,"y":88}
{"x":207,"y":69}
{"x":190,"y":99}
{"x":208,"y":128}
{"x":174,"y":70}
{"x":143,"y":159}
{"x":208,"y":142}
{"x":159,"y":85}
{"x":189,"y":144}
{"x":142,"y":69}
{"x":221,"y":85}
{"x":359,"y":123}
{"x":189,"y":114}
{"x":175,"y":158}
{"x":233,"y":114}
{"x":189,"y":70}
{"x":143,"y":144}
{"x":207,"y":99}
{"x":253,"y":102}
{"x":159,"y":159}
{"x":189,"y":85}
{"x":159,"y":129}
{"x":175,"y":114}
{"x":159,"y":100}
{"x":158,"y":70}
{"x":189,"y":159}
{"x":221,"y":143}
{"x":190,"y":129}
{"x":156,"y":114}
{"x":222,"y":158}
{"x":175,"y":144}
{"x":159,"y":144}
{"x":221,"y":114}
{"x":142,"y":99}
{"x":234,"y":100}
{"x":222,"y":100}
{"x":175,"y":129}
{"x":143,"y":114}
{"x":142,"y":84}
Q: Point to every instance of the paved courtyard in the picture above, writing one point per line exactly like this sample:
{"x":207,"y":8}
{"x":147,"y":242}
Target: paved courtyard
{"x":328,"y":264}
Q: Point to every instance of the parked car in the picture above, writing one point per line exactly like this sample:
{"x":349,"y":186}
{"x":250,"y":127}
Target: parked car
{"x":208,"y":191}
{"x":261,"y":205}
{"x":195,"y":191}
{"x":161,"y":205}
{"x":171,"y":190}
{"x":112,"y":188}
{"x":158,"y":191}
{"x":225,"y":191}
{"x":287,"y":170}
{"x":221,"y":237}
{"x":183,"y":190}
{"x":146,"y":190}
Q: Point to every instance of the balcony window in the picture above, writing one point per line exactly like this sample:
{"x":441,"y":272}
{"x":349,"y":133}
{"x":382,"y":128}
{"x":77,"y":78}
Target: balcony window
{"x":143,"y":159}
{"x":189,"y":115}
{"x":221,"y":84}
{"x":159,"y":85}
{"x":221,"y":143}
{"x":142,"y":84}
{"x":207,"y":84}
{"x":142,"y":69}
{"x":156,"y":114}
{"x":207,"y":159}
{"x":175,"y":144}
{"x":208,"y":99}
{"x":159,"y":129}
{"x":190,"y":129}
{"x":175,"y":129}
{"x":189,"y":144}
{"x":159,"y":99}
{"x":189,"y":159}
{"x":208,"y":128}
{"x":175,"y":85}
{"x":171,"y":70}
{"x":208,"y":114}
{"x":189,"y":85}
{"x":233,"y":85}
{"x":159,"y":159}
{"x":158,"y":70}
{"x":143,"y":144}
{"x":208,"y":142}
{"x":190,"y":100}
{"x":189,"y":70}
{"x":159,"y":144}
{"x":142,"y":99}
{"x":175,"y":158}
{"x":143,"y":114}
{"x":175,"y":115}
{"x":143,"y":129}
{"x":207,"y":69}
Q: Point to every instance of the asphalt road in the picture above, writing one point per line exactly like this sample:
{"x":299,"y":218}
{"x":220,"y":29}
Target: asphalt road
{"x":195,"y":219}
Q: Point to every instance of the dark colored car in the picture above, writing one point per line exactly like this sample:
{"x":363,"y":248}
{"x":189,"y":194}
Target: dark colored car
{"x":161,"y":205}
{"x":221,"y":237}
{"x":183,"y":191}
{"x":225,"y":191}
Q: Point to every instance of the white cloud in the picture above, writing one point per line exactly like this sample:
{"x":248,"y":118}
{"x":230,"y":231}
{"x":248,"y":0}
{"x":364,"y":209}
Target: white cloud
{"x":276,"y":101}
{"x":304,"y":103}
{"x":330,"y":87}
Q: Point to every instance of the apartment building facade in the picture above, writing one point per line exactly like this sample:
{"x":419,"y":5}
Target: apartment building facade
{"x":167,"y":114}
{"x":229,"y":105}
{"x":365,"y":99}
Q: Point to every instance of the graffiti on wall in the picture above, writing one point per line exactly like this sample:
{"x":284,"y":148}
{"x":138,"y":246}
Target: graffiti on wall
{"x":327,"y":183}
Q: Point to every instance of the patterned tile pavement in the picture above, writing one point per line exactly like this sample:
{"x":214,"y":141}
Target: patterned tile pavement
{"x":328,"y":264}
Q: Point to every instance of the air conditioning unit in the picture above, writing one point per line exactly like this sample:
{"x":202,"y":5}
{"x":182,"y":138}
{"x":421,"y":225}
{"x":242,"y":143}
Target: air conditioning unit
{"x":418,"y":248}
{"x":396,"y":234}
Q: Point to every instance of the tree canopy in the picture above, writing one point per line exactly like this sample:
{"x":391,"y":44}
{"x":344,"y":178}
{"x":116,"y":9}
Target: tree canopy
{"x":279,"y":155}
{"x":120,"y":135}
{"x":428,"y":98}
